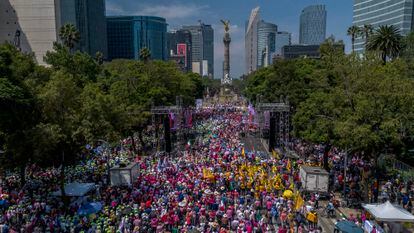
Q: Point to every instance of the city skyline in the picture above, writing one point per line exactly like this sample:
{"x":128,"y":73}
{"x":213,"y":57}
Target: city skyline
{"x":284,"y":13}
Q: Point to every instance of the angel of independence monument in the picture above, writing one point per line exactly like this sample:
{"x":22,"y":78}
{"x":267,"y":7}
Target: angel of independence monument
{"x":226,"y":93}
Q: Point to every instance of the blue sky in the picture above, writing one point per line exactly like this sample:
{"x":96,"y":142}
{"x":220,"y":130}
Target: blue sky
{"x":284,"y":13}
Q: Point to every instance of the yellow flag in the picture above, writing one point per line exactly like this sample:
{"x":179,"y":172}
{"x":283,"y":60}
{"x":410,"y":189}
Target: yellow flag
{"x":275,"y":155}
{"x":243,"y":153}
{"x":205,"y":173}
{"x":289,"y":165}
{"x":292,"y":186}
{"x":299,"y":202}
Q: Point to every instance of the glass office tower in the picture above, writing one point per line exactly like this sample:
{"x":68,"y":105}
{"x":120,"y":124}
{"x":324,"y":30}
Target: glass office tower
{"x":91,"y":23}
{"x":312,"y":28}
{"x":265,"y":43}
{"x":282,"y":39}
{"x":127,"y":35}
{"x":202,"y":38}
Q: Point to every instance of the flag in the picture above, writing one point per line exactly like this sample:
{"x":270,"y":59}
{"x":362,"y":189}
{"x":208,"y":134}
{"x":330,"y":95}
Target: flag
{"x":289,"y":165}
{"x":243,"y":153}
{"x":275,"y":155}
{"x":299,"y":202}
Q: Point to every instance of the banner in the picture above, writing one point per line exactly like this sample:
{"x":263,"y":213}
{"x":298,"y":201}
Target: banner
{"x":188,"y":114}
{"x":266,"y":119}
{"x":171,"y":116}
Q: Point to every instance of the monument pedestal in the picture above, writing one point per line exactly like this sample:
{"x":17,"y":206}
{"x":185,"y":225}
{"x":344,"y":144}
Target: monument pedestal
{"x":227,"y":95}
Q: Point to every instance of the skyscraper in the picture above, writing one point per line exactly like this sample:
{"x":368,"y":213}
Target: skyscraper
{"x":202,"y":38}
{"x":91,"y":23}
{"x":208,"y":49}
{"x":382,"y":12}
{"x":250,"y":41}
{"x":34,"y":25}
{"x":32,"y":28}
{"x":127,"y":35}
{"x":282,"y":39}
{"x":265,"y":43}
{"x":312,"y":28}
{"x":179,"y":43}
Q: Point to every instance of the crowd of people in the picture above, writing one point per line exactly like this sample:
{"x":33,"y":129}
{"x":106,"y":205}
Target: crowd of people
{"x":214,"y":184}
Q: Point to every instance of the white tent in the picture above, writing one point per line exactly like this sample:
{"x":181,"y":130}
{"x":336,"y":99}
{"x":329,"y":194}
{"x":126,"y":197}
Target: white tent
{"x":387,"y":212}
{"x":76,"y":189}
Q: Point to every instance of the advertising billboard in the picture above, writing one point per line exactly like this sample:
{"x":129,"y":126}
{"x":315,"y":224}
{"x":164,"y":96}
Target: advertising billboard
{"x":182,"y":50}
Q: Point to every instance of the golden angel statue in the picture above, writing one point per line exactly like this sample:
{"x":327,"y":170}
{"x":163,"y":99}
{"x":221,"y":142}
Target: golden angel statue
{"x":226,"y":24}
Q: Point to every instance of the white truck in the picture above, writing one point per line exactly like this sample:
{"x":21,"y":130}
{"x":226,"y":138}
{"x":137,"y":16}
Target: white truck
{"x":314,"y":179}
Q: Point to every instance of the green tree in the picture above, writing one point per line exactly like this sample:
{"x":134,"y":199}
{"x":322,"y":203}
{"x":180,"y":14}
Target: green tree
{"x":18,"y":115}
{"x":332,"y":48}
{"x":99,"y":116}
{"x":289,"y":78}
{"x":60,"y":103}
{"x":353,"y":31}
{"x":211,"y":86}
{"x":387,"y":40}
{"x":69,"y":35}
{"x":136,"y":85}
{"x":81,"y":66}
{"x":407,"y":52}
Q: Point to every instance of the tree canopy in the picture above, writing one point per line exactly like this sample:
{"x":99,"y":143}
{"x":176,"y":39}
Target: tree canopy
{"x":77,"y":100}
{"x":349,"y":101}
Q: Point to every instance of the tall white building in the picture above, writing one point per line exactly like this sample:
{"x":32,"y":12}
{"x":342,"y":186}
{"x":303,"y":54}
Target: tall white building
{"x":251,"y":42}
{"x":33,"y":25}
{"x":37,"y":22}
{"x":383,"y":12}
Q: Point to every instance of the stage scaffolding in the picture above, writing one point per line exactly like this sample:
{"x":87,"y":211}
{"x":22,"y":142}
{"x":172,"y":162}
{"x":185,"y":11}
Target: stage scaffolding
{"x":280,"y":112}
{"x":178,"y":133}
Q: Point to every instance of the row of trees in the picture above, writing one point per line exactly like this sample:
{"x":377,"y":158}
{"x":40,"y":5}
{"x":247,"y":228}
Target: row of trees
{"x":353,"y":102}
{"x":50,"y":113}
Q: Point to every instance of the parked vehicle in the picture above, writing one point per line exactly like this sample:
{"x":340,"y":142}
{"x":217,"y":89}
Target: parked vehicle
{"x":314,"y":179}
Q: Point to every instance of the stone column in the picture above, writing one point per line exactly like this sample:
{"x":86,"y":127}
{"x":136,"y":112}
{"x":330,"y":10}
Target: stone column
{"x":226,"y":65}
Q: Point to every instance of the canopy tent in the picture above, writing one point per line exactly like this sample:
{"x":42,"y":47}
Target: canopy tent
{"x":387,"y":212}
{"x":348,"y":227}
{"x":76,"y":189}
{"x":90,"y":208}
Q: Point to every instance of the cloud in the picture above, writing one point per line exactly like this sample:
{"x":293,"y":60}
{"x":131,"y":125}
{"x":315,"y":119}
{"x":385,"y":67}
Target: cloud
{"x":113,"y":8}
{"x":171,"y":12}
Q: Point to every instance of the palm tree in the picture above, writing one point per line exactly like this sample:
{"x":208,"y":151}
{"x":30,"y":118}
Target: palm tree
{"x":144,"y":54}
{"x":386,"y":39}
{"x":366,"y":31}
{"x":69,"y":35}
{"x":354,"y":32}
